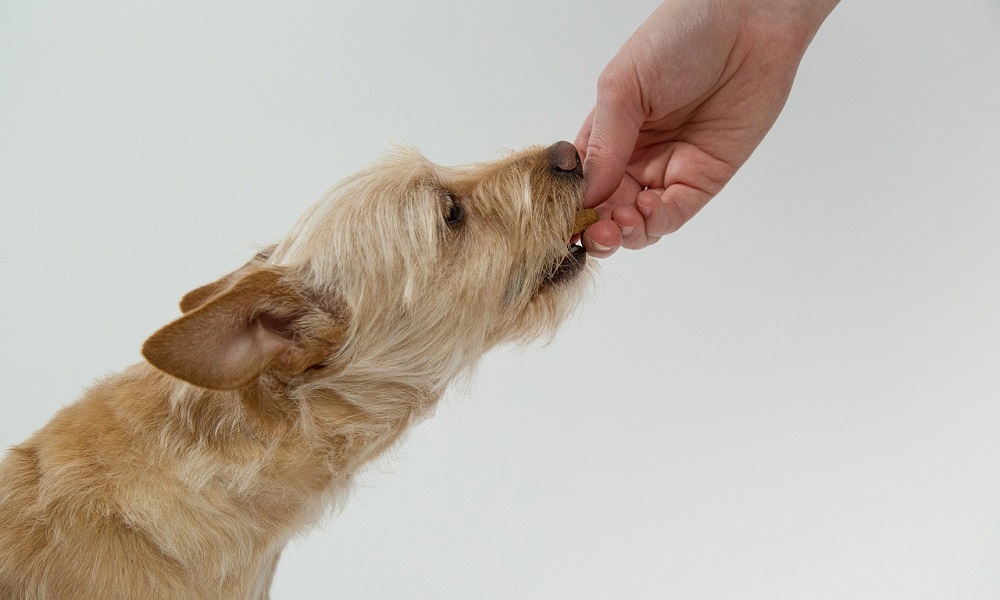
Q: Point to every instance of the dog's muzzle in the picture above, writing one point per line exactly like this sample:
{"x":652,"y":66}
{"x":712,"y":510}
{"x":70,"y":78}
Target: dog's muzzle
{"x":564,"y":161}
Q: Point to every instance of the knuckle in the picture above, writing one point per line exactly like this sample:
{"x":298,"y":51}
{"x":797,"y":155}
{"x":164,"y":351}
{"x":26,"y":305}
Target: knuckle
{"x":614,"y":82}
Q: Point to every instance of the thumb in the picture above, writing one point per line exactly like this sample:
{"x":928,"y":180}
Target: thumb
{"x":613,"y":131}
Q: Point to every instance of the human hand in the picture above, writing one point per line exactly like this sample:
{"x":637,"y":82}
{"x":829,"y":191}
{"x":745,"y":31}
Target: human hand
{"x":682,"y":106}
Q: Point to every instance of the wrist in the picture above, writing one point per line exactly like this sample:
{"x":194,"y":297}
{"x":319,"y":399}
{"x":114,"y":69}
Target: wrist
{"x":795,"y":21}
{"x":815,"y":12}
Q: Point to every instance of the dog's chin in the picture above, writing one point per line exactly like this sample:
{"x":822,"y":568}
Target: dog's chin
{"x":554,"y":298}
{"x":567,"y":268}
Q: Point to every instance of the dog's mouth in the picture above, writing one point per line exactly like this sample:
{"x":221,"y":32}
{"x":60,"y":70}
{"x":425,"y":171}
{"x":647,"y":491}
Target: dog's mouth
{"x":568,"y":267}
{"x":571,"y":264}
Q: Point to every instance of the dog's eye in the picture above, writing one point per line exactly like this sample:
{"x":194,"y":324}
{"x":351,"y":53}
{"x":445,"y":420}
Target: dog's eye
{"x":455,"y":213}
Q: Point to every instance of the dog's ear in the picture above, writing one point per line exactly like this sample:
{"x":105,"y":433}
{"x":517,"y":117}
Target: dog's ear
{"x":255,"y":322}
{"x":199,"y":296}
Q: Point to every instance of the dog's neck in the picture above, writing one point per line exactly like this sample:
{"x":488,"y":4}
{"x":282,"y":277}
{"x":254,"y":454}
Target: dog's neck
{"x":274,"y":457}
{"x":342,"y":427}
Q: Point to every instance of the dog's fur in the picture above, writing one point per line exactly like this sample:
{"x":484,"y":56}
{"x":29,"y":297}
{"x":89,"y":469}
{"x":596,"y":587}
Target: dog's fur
{"x":184,"y":477}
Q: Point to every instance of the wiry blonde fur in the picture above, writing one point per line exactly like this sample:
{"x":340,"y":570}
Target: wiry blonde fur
{"x":283,"y":379}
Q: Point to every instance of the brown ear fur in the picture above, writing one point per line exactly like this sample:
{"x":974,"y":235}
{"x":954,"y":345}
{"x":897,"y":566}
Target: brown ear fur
{"x":253,"y":320}
{"x":200,"y":295}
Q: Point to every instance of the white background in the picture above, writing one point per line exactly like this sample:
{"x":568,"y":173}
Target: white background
{"x":795,"y":396}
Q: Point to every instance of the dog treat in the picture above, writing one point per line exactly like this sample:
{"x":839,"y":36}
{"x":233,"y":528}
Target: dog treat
{"x":584,"y":219}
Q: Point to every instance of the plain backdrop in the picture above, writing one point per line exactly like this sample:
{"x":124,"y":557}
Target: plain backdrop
{"x":795,"y":396}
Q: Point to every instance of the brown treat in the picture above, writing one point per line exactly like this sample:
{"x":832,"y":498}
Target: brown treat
{"x":584,"y":219}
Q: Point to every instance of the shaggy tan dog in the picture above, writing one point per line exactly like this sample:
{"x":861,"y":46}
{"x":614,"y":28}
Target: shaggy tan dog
{"x":184,"y":477}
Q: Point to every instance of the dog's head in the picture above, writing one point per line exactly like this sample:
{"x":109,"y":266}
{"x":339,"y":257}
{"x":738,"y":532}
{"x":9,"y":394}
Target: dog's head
{"x":406,"y":271}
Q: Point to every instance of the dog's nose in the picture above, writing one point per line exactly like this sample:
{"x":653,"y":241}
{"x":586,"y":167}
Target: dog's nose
{"x":565,"y":159}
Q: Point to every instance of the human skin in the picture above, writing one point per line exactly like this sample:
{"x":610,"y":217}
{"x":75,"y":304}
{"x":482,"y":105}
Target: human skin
{"x":681,"y":107}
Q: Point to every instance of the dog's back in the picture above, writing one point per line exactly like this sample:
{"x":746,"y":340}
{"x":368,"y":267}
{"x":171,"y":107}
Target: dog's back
{"x":94,"y":506}
{"x":62,"y":533}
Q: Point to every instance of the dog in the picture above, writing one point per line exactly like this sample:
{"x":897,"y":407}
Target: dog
{"x":184,"y":476}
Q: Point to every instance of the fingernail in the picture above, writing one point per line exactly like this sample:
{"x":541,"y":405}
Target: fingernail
{"x":645,"y":210}
{"x":599,"y":247}
{"x":627,"y":231}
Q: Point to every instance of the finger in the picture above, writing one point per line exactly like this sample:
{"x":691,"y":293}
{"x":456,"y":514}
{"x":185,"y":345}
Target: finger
{"x":614,"y":130}
{"x":602,"y":238}
{"x":679,"y":202}
{"x":656,"y":220}
{"x":631,"y":225}
{"x":625,"y":195}
{"x":584,"y":135}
